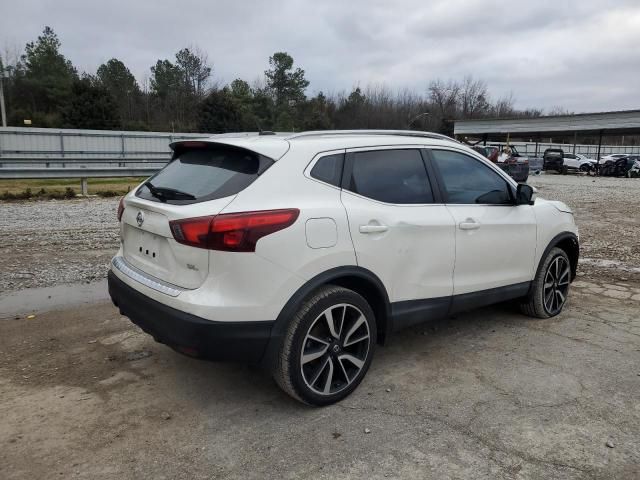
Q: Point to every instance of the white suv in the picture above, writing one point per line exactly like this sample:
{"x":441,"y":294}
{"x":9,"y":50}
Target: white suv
{"x":303,"y":251}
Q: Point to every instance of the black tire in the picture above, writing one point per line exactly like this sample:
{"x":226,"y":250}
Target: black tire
{"x":585,"y":167}
{"x":544,"y":301}
{"x":309,"y":332}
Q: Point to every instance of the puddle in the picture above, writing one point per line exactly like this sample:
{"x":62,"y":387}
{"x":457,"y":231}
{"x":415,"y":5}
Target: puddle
{"x":36,"y":300}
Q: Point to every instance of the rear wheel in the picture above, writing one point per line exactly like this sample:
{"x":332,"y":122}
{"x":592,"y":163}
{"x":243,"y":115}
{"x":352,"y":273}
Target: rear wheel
{"x":550,"y":287}
{"x":327,"y":348}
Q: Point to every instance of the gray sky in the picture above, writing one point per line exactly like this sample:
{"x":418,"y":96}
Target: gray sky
{"x":581,"y":55}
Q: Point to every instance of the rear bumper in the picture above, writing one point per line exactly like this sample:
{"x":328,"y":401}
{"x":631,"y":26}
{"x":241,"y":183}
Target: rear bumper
{"x":189,"y":334}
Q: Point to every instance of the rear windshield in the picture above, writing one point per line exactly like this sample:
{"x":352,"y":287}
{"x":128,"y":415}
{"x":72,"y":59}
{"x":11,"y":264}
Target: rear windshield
{"x":197,"y":175}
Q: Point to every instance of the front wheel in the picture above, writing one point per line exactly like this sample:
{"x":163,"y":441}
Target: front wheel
{"x":550,"y":287}
{"x":327,"y":348}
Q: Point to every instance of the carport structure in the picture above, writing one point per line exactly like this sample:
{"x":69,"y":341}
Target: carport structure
{"x":625,"y":122}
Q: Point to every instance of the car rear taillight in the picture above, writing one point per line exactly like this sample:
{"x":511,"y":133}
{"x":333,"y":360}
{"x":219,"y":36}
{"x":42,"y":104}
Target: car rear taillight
{"x":120,"y":209}
{"x":232,"y":232}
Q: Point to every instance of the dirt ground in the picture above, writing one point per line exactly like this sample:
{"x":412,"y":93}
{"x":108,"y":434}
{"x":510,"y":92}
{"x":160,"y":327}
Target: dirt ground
{"x":487,"y":394}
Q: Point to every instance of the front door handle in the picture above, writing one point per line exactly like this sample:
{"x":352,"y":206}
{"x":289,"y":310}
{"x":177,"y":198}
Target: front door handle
{"x":373,"y":228}
{"x":469,"y":224}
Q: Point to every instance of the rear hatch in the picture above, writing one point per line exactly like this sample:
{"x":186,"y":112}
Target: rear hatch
{"x":201,"y":180}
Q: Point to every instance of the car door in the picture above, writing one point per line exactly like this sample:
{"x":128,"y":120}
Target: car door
{"x":495,"y":239}
{"x":571,"y":161}
{"x":399,"y":230}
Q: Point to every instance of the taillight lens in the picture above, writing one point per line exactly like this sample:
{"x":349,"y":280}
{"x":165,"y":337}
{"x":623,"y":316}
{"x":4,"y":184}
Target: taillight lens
{"x":120,"y":209}
{"x":232,"y":232}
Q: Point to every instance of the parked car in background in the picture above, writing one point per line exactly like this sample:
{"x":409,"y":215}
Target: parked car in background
{"x":553,"y":159}
{"x":303,"y":251}
{"x":577,"y":161}
{"x":613,"y":156}
{"x":488,"y":151}
{"x":621,"y":167}
{"x":508,"y":159}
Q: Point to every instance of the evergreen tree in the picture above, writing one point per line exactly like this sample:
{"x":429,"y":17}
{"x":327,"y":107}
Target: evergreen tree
{"x":90,"y":106}
{"x":219,"y":113}
{"x":118,"y":80}
{"x":47,"y":72}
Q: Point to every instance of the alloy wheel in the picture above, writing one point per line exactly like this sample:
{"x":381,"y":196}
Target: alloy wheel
{"x":335,"y":349}
{"x":556,"y":285}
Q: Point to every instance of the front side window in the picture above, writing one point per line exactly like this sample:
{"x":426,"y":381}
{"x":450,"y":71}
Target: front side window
{"x":391,"y":176}
{"x":468,"y":181}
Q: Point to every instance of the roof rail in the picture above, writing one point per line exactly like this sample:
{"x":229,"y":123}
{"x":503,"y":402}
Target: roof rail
{"x":401,"y":133}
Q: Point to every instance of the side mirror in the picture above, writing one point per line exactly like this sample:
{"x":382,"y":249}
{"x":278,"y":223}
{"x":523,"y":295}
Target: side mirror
{"x":524,"y":194}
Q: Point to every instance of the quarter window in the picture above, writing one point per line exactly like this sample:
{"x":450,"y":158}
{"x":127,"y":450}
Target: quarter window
{"x":329,"y":169}
{"x":468,"y":181}
{"x":391,"y":176}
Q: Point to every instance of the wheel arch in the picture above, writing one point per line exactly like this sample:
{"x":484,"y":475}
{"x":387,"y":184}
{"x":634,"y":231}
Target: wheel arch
{"x":567,"y":241}
{"x":358,"y":279}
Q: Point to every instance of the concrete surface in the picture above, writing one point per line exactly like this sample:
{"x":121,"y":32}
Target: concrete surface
{"x":489,"y":394}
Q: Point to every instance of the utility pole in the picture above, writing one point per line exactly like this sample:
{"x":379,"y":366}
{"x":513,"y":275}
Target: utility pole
{"x":2,"y":110}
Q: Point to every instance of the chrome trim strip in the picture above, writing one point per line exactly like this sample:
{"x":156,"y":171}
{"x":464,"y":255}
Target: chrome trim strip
{"x":145,"y":279}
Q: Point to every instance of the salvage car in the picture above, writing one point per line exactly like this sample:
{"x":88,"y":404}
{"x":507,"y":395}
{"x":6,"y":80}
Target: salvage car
{"x":303,"y":252}
{"x":553,"y":159}
{"x":577,"y":161}
{"x":510,"y":160}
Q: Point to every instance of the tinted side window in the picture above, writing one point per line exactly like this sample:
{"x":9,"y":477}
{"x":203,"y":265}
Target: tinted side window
{"x":329,"y":169}
{"x":391,"y":176}
{"x":467,"y":180}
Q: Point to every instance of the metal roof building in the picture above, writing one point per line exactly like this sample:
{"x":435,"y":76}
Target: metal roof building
{"x":598,"y":124}
{"x":612,"y":123}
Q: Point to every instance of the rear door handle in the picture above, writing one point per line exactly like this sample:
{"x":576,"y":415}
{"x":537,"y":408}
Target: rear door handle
{"x":469,"y":224}
{"x":373,"y":228}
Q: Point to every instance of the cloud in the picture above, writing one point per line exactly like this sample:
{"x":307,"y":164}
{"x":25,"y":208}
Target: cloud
{"x":581,"y":55}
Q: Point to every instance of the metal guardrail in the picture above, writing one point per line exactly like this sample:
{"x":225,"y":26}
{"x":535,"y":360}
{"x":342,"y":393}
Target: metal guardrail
{"x":9,"y":162}
{"x":39,"y":153}
{"x":74,"y":172}
{"x":85,"y":168}
{"x":42,"y":153}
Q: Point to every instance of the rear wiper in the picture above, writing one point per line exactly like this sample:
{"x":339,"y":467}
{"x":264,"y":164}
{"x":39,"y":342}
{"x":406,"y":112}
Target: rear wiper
{"x":164,"y":193}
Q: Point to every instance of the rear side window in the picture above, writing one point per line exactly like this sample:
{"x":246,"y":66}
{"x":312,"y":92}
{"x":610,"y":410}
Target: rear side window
{"x":391,"y":176}
{"x":197,"y":175}
{"x":468,"y":181}
{"x":329,"y":169}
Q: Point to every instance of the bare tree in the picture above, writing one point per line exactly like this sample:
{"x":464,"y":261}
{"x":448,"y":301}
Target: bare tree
{"x":474,"y":97}
{"x":559,"y":110}
{"x":445,"y":97}
{"x":504,"y":106}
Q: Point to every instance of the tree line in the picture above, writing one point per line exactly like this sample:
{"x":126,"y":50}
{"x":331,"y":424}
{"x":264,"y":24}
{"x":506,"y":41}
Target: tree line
{"x":42,"y":85}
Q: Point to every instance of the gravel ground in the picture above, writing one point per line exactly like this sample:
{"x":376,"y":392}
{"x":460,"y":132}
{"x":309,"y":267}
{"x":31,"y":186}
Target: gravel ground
{"x":59,"y":241}
{"x":54,"y":242}
{"x":608,"y":218}
{"x":489,"y":394}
